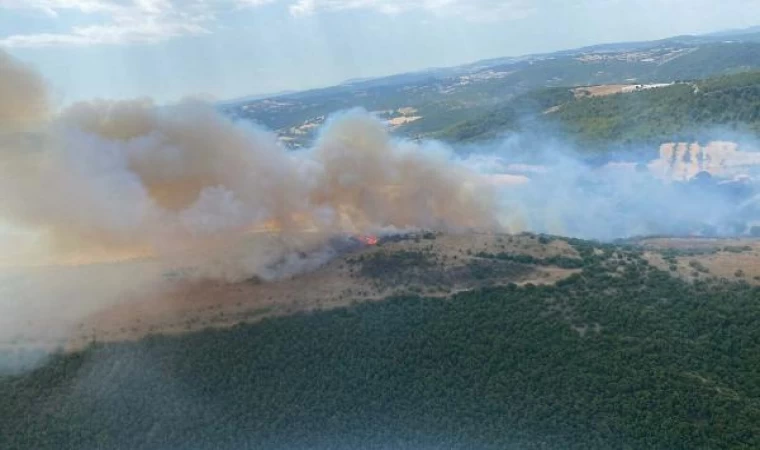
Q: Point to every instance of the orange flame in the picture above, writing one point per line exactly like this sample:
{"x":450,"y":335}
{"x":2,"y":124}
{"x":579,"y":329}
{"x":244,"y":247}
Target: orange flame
{"x":369,"y":240}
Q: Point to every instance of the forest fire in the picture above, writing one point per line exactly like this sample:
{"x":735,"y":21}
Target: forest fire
{"x":369,"y":240}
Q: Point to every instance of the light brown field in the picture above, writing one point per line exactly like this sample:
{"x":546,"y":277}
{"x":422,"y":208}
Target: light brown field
{"x":403,"y":120}
{"x":732,"y":259}
{"x":200,"y":304}
{"x":189,"y":305}
{"x":593,"y":91}
{"x":599,"y":91}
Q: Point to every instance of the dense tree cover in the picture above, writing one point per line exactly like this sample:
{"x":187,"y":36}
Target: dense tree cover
{"x":621,"y":355}
{"x":454,"y":107}
{"x":416,"y":270}
{"x":564,"y":262}
{"x":517,"y":115}
{"x":711,"y":60}
{"x":720,"y":106}
{"x":681,"y":112}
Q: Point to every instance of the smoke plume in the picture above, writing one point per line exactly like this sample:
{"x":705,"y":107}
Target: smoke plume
{"x":183,"y":186}
{"x":105,"y":180}
{"x":135,"y":178}
{"x":23,"y":95}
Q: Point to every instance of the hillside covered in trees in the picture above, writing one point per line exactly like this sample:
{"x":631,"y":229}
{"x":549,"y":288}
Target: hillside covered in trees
{"x":682,"y":111}
{"x":619,"y":355}
{"x":479,"y":94}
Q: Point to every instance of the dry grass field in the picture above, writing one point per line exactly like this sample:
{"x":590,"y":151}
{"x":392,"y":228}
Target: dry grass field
{"x":439,"y":266}
{"x":433,"y":265}
{"x":690,"y":258}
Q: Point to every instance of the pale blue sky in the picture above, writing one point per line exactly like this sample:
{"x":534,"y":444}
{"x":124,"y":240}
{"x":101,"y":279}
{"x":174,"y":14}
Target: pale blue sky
{"x":168,"y":49}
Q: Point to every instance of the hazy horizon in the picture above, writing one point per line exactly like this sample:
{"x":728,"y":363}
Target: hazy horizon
{"x":226,"y":49}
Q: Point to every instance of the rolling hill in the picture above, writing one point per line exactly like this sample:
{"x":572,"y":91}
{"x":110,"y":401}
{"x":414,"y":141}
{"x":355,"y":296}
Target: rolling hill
{"x":724,"y":106}
{"x":430,"y":340}
{"x":628,"y":352}
{"x":442,"y":98}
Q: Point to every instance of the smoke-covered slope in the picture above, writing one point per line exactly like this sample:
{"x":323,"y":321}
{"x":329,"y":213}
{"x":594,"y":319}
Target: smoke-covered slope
{"x":182,"y":186}
{"x":617,"y":353}
{"x":620,"y":356}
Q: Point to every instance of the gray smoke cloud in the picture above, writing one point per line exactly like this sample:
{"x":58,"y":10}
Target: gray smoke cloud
{"x":143,"y":189}
{"x":24,"y":95}
{"x":105,"y":181}
{"x":638,"y":194}
{"x":133,"y":177}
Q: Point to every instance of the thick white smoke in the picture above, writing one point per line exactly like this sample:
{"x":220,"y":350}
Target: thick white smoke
{"x":134,"y":177}
{"x":554,"y":190}
{"x":183,"y":185}
{"x":23,"y":95}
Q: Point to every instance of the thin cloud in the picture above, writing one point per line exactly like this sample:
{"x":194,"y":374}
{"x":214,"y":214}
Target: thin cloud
{"x":106,"y":34}
{"x":148,"y":21}
{"x":129,"y":21}
{"x":475,"y":10}
{"x":53,"y":7}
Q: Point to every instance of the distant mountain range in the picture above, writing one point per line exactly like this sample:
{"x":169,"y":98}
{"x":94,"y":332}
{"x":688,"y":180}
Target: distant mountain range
{"x":736,"y":32}
{"x":751,"y":34}
{"x":423,"y":103}
{"x":251,"y":98}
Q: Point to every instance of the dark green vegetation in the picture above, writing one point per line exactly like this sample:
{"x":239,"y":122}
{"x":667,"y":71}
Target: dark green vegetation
{"x":681,"y":112}
{"x":621,"y":355}
{"x":558,"y":261}
{"x":417,"y":268}
{"x":523,"y":113}
{"x":480,"y":100}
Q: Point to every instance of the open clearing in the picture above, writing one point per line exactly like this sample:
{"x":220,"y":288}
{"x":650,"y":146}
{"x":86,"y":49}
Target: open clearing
{"x":599,"y":91}
{"x":448,"y":261}
{"x":433,"y":265}
{"x":692,"y":258}
{"x":154,"y":298}
{"x":611,"y":89}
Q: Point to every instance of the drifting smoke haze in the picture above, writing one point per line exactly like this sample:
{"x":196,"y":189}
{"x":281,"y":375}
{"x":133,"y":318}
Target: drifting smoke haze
{"x":103,"y":181}
{"x":140,"y":179}
{"x":183,"y":186}
{"x":23,"y":93}
{"x":550,"y":189}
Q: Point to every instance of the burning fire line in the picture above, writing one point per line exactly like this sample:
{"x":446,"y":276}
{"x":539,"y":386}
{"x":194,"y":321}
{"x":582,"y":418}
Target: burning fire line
{"x":368,"y":240}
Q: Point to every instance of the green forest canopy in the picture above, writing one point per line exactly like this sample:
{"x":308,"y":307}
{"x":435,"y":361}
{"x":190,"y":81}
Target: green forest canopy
{"x":683,"y":111}
{"x":622,"y":355}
